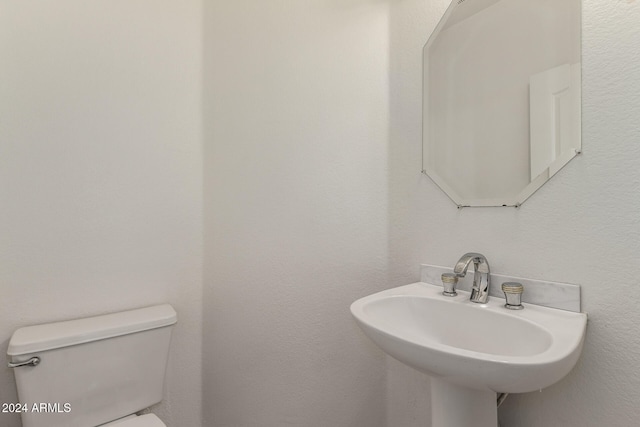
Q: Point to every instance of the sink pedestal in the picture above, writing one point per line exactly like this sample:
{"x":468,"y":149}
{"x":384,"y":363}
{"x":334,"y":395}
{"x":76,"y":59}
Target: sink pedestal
{"x":454,"y":405}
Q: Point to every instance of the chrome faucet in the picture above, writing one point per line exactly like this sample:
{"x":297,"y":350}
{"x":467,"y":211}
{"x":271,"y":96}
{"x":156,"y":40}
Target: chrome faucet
{"x":481,"y":277}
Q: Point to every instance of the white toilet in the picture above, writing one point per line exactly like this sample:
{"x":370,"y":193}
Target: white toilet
{"x":97,"y":371}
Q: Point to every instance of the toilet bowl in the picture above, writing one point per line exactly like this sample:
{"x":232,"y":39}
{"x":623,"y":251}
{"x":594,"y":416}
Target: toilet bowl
{"x":98,"y":371}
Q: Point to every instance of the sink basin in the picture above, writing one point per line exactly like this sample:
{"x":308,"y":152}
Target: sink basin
{"x":478,"y":346}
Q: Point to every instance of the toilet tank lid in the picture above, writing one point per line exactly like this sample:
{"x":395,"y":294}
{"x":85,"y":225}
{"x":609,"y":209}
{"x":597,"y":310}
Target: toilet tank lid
{"x":50,"y":336}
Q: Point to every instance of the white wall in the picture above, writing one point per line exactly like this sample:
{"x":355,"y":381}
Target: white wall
{"x":100,"y":172}
{"x":296,"y":130}
{"x":582,"y":227}
{"x":313,"y":198}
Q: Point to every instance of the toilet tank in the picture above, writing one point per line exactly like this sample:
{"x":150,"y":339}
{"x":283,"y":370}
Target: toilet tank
{"x":92,"y":370}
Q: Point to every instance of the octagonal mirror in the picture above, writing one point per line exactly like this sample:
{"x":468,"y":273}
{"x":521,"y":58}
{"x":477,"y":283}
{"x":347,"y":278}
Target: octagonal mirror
{"x":501,"y":101}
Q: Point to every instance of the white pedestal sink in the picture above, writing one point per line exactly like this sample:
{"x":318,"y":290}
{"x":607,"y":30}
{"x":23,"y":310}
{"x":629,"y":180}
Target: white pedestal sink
{"x":471,"y":351}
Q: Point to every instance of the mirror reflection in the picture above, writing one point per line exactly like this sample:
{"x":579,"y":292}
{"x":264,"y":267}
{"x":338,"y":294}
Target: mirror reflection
{"x":501,"y":110}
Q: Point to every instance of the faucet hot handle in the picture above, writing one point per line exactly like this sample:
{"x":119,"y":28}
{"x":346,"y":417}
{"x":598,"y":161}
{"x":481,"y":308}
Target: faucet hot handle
{"x":449,"y":281}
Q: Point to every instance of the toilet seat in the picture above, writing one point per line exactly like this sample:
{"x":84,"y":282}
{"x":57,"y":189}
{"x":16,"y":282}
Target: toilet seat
{"x":147,"y":420}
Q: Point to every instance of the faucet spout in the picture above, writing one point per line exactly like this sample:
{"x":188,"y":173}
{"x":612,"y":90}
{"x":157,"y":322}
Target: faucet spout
{"x":481,"y":276}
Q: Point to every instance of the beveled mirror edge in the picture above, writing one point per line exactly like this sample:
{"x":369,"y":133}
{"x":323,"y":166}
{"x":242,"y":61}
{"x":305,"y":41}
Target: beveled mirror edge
{"x":527,"y":192}
{"x":425,"y":108}
{"x":467,"y":203}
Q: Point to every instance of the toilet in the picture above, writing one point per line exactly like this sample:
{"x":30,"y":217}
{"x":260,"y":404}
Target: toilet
{"x":96,"y":371}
